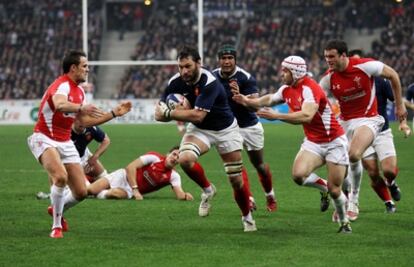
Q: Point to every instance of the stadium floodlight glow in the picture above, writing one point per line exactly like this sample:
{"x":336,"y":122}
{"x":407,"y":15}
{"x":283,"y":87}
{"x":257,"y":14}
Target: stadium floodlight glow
{"x":147,"y":2}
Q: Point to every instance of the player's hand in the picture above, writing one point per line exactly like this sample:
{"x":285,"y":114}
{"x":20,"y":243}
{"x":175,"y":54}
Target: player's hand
{"x":401,"y":113}
{"x":91,"y":110}
{"x":92,"y":161}
{"x":123,"y":108}
{"x":405,"y":128}
{"x":188,"y":196}
{"x":241,"y":99}
{"x":137,"y":195}
{"x":162,"y":112}
{"x":234,"y":87}
{"x":267,"y":113}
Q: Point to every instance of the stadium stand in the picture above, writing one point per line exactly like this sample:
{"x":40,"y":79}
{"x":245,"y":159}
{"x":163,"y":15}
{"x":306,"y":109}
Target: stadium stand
{"x":33,"y":38}
{"x":35,"y":34}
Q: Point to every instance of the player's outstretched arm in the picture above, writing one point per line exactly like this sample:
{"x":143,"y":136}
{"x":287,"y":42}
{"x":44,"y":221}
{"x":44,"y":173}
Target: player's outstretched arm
{"x":181,"y":195}
{"x":130,"y":172}
{"x":121,"y":109}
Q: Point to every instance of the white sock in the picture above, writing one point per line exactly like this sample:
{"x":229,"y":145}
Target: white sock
{"x":69,"y":200}
{"x":313,"y":180}
{"x":56,"y":198}
{"x":271,"y":193}
{"x":355,"y":172}
{"x":340,"y":207}
{"x":102,"y":194}
{"x":248,"y":217}
{"x":208,"y":190}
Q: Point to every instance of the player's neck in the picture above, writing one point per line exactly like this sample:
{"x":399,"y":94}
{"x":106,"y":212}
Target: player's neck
{"x":345,"y":64}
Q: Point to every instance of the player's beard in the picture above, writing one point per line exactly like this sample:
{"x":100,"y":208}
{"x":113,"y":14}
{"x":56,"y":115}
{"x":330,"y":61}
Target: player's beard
{"x":191,"y":79}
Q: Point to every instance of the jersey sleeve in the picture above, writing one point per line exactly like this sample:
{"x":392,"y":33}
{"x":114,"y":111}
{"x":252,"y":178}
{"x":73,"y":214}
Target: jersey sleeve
{"x":63,"y":89}
{"x":175,"y":179}
{"x":309,"y":96}
{"x":278,"y":96}
{"x":371,"y":67}
{"x":149,"y":158}
{"x":98,"y":134}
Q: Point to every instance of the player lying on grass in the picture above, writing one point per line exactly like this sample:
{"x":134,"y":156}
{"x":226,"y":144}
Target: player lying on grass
{"x":148,"y":173}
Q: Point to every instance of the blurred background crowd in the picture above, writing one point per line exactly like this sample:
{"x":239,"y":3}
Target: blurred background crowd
{"x":35,"y":34}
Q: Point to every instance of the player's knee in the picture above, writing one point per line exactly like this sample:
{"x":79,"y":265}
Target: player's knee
{"x":354,"y":156}
{"x":189,"y":153}
{"x":236,"y":181}
{"x":390,"y":173}
{"x":298,"y":176}
{"x":81,"y":194}
{"x":60,"y":178}
{"x":233,"y":169}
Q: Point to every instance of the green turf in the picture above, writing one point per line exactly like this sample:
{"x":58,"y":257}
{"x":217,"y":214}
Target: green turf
{"x":161,"y":231}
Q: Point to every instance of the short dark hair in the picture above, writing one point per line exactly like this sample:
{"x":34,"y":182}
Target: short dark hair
{"x":70,"y":58}
{"x":354,"y":52}
{"x":174,"y":148}
{"x":188,"y":51}
{"x":339,"y":45}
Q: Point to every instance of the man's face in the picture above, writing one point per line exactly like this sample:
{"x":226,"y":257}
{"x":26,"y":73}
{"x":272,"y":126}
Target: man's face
{"x":227,"y":64}
{"x":334,"y":60}
{"x":287,"y":77}
{"x":81,"y":71}
{"x":189,"y":69}
{"x":172,"y":158}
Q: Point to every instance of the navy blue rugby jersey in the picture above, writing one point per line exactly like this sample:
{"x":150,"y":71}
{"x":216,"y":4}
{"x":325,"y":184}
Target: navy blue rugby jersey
{"x":383,"y":92}
{"x":83,"y":139}
{"x":247,"y":86}
{"x":409,"y":95}
{"x":206,"y":94}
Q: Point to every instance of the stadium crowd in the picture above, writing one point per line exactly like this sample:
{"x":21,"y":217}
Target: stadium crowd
{"x":32,"y":37}
{"x":34,"y":34}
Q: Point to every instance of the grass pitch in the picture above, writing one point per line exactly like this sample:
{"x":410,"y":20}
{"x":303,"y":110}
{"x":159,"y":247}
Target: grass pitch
{"x":161,"y":231}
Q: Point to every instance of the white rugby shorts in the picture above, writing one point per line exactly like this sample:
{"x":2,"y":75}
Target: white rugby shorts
{"x":253,"y":137}
{"x":374,"y":123}
{"x":38,"y":143}
{"x":335,"y":151}
{"x":225,"y":141}
{"x":382,"y":147}
{"x":118,"y":179}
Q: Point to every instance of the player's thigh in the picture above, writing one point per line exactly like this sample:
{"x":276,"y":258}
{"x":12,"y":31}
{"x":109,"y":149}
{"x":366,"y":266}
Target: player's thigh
{"x":76,"y":179}
{"x":255,"y":156}
{"x":50,"y":160}
{"x":97,"y":186}
{"x":361,"y":140}
{"x":306,"y":162}
{"x":117,"y":193}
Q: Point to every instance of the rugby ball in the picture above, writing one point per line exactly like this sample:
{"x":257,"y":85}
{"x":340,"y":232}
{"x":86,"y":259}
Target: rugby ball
{"x":177,"y":101}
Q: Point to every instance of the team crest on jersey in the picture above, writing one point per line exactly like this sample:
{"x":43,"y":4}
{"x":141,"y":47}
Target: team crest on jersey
{"x":357,"y":80}
{"x":197,"y":91}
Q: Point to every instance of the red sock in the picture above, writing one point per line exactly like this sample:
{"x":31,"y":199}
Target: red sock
{"x":381,"y":189}
{"x":246,"y":183}
{"x":196,"y":173}
{"x":266,"y":180}
{"x":241,"y":196}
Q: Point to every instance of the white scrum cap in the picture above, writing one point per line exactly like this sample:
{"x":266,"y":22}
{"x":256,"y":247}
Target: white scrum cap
{"x":296,"y":65}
